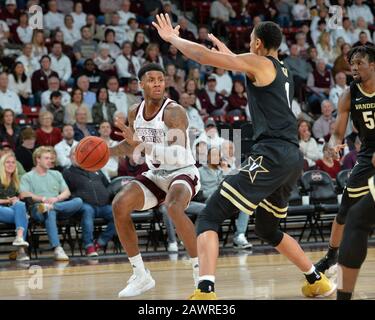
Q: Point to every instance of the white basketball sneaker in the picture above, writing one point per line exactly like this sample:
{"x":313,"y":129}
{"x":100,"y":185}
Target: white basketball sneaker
{"x":137,"y":284}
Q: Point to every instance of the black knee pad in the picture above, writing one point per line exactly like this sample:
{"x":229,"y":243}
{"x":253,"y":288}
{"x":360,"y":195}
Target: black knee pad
{"x":271,"y":236}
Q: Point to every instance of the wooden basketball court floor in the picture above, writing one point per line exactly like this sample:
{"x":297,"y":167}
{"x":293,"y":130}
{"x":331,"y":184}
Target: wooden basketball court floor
{"x":240,"y":275}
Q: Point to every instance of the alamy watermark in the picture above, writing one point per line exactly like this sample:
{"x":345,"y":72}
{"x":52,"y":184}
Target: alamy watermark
{"x":335,"y":21}
{"x":36,"y":17}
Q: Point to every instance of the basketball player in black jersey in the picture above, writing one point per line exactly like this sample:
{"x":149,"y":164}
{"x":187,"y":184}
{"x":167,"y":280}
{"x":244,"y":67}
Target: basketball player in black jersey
{"x":359,"y":102}
{"x":353,"y":248}
{"x":267,"y":177}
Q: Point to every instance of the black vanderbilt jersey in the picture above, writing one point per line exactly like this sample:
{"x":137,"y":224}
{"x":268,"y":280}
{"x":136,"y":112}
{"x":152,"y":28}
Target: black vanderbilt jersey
{"x":270,"y":107}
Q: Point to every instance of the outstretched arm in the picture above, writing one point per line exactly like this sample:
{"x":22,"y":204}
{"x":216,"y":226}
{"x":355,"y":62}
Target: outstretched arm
{"x":248,"y":62}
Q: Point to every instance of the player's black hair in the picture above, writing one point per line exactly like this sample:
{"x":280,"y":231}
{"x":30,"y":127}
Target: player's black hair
{"x":270,"y":34}
{"x":364,"y":51}
{"x":150,"y":67}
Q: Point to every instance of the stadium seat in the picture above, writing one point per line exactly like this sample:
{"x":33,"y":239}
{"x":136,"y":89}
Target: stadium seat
{"x":321,"y":190}
{"x":341,"y":179}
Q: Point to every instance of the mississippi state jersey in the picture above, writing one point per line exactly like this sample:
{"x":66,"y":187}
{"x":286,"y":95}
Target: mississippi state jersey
{"x":362,"y":109}
{"x":153,"y":130}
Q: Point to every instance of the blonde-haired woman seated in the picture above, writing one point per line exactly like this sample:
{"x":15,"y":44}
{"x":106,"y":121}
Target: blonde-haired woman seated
{"x":12,"y":210}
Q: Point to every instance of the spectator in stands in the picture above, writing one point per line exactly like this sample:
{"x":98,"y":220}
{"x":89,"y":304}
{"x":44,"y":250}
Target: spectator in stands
{"x":39,"y":79}
{"x":175,"y":79}
{"x":139,"y":45}
{"x":195,"y":75}
{"x":332,"y":127}
{"x":299,"y":68}
{"x":111,"y":167}
{"x":10,"y":14}
{"x":315,"y":33}
{"x":96,"y":79}
{"x":9,"y":131}
{"x":350,"y":159}
{"x":185,"y":33}
{"x":96,"y":30}
{"x":152,"y":55}
{"x":61,"y":64}
{"x":8,"y":98}
{"x":83,"y":83}
{"x":4,"y":33}
{"x":221,"y":12}
{"x":329,"y":162}
{"x":81,"y":128}
{"x":363,"y":40}
{"x":300,"y":13}
{"x":211,"y":174}
{"x":86,"y":47}
{"x":104,"y":61}
{"x":30,"y":63}
{"x":200,"y":153}
{"x":112,"y":40}
{"x":151,"y":9}
{"x":64,"y":147}
{"x":360,"y":9}
{"x":308,"y":145}
{"x":103,"y":110}
{"x":224,"y":83}
{"x":131,"y":166}
{"x":203,"y":37}
{"x":196,"y":124}
{"x":237,"y":101}
{"x":211,"y":135}
{"x":134,"y":94}
{"x":325,"y":50}
{"x":312,"y":57}
{"x":79,"y":16}
{"x":361,"y":26}
{"x":24,"y":31}
{"x":116,"y":96}
{"x":125,"y":13}
{"x":87,"y":185}
{"x":54,"y":85}
{"x":212,"y":102}
{"x":20,"y":83}
{"x":341,"y":63}
{"x":319,"y":84}
{"x":132,"y":29}
{"x":337,"y":90}
{"x":38,"y":45}
{"x":47,"y":134}
{"x":346,"y":32}
{"x":109,"y":7}
{"x":12,"y":210}
{"x":53,"y":19}
{"x":48,"y":188}
{"x":118,"y":35}
{"x":25,"y":150}
{"x":5,"y":148}
{"x":302,"y":45}
{"x":321,"y":126}
{"x":167,"y":9}
{"x":71,"y":33}
{"x":56,"y":108}
{"x":55,"y":165}
{"x":71,"y":108}
{"x":127,"y":64}
{"x":174,"y":57}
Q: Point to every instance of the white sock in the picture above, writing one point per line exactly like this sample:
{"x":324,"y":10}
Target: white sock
{"x":311,"y":271}
{"x":137,"y":264}
{"x":194,"y":262}
{"x":207,"y":277}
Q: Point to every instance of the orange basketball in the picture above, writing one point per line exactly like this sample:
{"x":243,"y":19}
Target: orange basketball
{"x":92,"y":153}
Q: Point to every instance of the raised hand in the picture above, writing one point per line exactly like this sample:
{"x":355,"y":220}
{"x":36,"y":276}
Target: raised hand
{"x":165,"y":28}
{"x":126,"y":132}
{"x":220,"y":45}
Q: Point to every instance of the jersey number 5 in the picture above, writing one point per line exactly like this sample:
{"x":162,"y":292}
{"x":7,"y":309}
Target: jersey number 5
{"x":369,"y":118}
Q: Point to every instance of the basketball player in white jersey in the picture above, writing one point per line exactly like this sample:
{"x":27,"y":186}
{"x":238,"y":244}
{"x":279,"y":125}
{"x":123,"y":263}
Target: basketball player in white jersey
{"x":159,"y":127}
